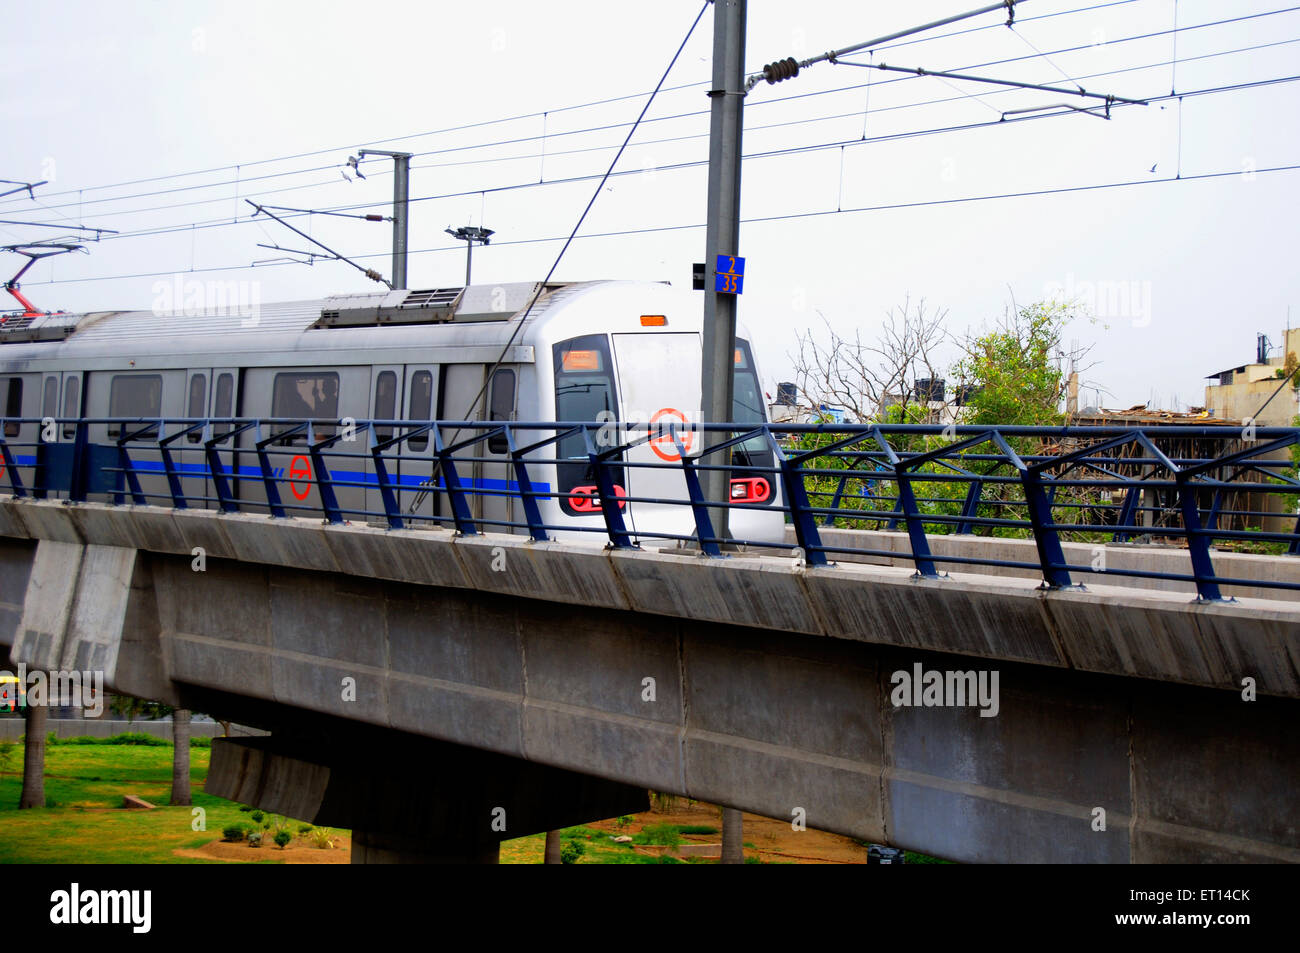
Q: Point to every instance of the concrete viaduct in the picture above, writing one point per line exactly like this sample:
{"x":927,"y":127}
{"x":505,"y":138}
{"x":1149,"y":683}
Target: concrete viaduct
{"x":437,"y":693}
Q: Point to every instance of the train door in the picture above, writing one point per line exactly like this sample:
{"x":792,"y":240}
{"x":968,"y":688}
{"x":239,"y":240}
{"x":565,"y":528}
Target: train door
{"x":21,"y":396}
{"x":325,"y":394}
{"x":457,"y":401}
{"x":498,"y":475}
{"x":659,"y":383}
{"x":224,"y":403}
{"x":415,"y":471}
{"x":188,"y":452}
{"x":386,"y":384}
{"x":137,"y":397}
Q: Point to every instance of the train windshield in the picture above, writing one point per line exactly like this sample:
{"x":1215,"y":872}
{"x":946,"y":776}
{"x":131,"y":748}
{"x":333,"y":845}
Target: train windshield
{"x":747,"y":398}
{"x":584,"y":388}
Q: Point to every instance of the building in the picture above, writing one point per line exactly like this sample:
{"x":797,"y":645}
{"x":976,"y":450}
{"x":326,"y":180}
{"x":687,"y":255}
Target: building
{"x":1254,"y":392}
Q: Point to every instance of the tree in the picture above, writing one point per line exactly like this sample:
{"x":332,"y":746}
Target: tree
{"x":139,"y":707}
{"x":1015,"y":371}
{"x":34,"y":757}
{"x":866,"y":378}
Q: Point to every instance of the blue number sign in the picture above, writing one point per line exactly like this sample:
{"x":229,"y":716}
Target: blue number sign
{"x":730,"y":276}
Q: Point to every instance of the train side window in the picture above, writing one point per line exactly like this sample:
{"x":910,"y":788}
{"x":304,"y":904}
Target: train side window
{"x":134,"y":395}
{"x":14,"y":406}
{"x":306,"y":395}
{"x":224,"y":404}
{"x":50,"y":401}
{"x":501,"y":406}
{"x":420,"y":407}
{"x":385,"y":402}
{"x":71,"y":406}
{"x":198,"y":397}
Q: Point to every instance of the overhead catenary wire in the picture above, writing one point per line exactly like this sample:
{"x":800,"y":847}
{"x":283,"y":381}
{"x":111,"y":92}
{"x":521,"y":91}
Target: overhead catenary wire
{"x":521,"y":116}
{"x":225,"y":222}
{"x":699,"y":113}
{"x":762,"y":219}
{"x":612,"y":126}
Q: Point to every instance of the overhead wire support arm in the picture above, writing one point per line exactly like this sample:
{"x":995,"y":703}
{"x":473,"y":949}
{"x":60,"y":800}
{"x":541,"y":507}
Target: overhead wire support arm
{"x":368,"y":272}
{"x":1108,"y":98}
{"x":63,"y":226}
{"x":22,"y":187}
{"x":789,"y":67}
{"x":367,"y":217}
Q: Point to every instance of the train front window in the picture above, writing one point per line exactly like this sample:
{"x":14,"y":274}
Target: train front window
{"x":584,"y":390}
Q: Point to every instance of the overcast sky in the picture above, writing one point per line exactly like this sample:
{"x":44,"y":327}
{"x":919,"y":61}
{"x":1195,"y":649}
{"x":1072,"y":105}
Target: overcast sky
{"x":219,"y":102}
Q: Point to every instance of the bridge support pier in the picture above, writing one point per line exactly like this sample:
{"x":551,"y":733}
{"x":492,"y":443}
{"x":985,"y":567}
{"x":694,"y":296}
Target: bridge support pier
{"x":412,"y":800}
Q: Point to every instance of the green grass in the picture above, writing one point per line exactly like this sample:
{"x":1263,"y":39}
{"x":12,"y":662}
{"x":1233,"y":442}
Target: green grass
{"x":86,"y":783}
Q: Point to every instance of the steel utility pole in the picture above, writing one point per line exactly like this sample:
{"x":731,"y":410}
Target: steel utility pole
{"x":401,"y":196}
{"x":722,"y":237}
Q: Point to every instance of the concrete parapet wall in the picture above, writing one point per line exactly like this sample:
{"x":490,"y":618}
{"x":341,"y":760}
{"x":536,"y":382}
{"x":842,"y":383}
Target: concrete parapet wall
{"x":1118,"y":557}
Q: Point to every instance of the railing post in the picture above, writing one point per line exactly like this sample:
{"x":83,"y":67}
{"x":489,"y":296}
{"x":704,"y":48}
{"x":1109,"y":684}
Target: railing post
{"x":911,"y":512}
{"x":619,"y":537}
{"x":1127,"y":512}
{"x":169,"y":467}
{"x":15,"y":481}
{"x":1050,"y":555}
{"x":970,"y":509}
{"x":324,"y":482}
{"x":796,"y":495}
{"x":80,"y":458}
{"x":527,"y":497}
{"x":703,"y":525}
{"x":460,"y":510}
{"x":269,"y":482}
{"x":1198,"y":545}
{"x":391,"y":508}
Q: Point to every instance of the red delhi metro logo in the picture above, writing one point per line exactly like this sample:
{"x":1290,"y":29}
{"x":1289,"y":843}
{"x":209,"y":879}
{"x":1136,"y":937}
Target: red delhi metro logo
{"x":663,"y":445}
{"x":300,"y":473}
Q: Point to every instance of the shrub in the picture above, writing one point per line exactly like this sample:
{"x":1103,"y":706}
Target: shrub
{"x":282,"y":838}
{"x":323,"y":837}
{"x":696,"y":829}
{"x":665,"y":834}
{"x":235,"y":832}
{"x":258,"y":817}
{"x":204,"y":742}
{"x":245,"y":808}
{"x":571,"y":850}
{"x":305,"y":828}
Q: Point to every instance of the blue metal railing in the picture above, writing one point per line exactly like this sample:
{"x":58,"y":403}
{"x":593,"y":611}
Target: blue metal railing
{"x":1050,"y":484}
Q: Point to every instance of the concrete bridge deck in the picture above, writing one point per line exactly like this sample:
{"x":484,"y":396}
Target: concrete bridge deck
{"x":750,"y":681}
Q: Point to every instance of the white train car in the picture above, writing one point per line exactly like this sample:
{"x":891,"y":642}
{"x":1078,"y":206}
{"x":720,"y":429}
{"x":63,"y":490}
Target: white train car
{"x":619,"y":352}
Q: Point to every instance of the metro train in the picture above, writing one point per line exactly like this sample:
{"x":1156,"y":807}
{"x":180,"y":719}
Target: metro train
{"x":590,"y":351}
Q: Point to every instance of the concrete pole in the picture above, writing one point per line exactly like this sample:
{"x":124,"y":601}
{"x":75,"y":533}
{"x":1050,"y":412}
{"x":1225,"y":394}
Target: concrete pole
{"x":469,"y":259}
{"x":722,"y":236}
